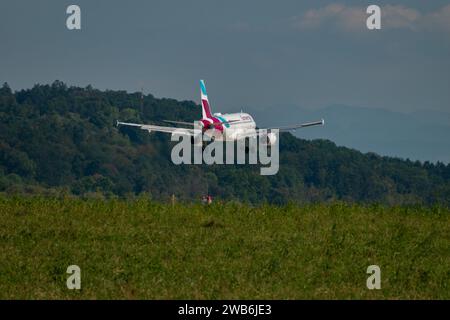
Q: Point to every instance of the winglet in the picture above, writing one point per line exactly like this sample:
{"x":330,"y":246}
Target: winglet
{"x":323,"y":122}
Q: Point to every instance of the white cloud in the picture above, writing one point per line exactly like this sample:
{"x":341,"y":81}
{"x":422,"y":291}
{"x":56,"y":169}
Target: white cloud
{"x":439,"y":20}
{"x":400,"y":17}
{"x":353,"y":19}
{"x":343,"y":17}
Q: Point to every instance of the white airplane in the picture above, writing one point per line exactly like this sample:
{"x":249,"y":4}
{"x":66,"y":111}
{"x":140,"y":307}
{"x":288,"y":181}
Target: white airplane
{"x":226,"y":127}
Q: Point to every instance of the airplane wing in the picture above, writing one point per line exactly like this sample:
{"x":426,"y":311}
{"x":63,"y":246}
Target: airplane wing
{"x":192,"y":123}
{"x":300,"y":125}
{"x":151,"y":127}
{"x":251,"y":133}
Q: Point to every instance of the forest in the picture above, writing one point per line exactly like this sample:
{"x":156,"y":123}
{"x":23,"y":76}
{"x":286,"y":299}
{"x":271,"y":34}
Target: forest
{"x":58,"y":140}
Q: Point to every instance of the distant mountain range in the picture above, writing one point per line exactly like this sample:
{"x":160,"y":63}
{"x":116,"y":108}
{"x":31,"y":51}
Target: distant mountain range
{"x":423,"y":135}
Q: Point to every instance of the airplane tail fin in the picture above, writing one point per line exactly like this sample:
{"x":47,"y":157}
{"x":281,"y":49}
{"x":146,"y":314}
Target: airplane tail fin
{"x":206,"y":109}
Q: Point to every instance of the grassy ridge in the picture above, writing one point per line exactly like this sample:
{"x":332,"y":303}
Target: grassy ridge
{"x":141,"y":249}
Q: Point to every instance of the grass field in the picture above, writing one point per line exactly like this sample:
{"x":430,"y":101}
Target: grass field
{"x":144,"y":250}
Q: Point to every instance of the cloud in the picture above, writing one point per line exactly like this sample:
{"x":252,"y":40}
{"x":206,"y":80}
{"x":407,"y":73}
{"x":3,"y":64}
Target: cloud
{"x":353,"y":19}
{"x":439,"y":20}
{"x":343,"y":17}
{"x":400,"y":17}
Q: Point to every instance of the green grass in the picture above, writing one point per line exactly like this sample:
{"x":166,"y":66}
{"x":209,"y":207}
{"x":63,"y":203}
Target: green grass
{"x":145,"y":250}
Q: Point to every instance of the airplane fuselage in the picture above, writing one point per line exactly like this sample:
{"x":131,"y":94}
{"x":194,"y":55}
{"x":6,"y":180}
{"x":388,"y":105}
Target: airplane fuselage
{"x":228,"y":126}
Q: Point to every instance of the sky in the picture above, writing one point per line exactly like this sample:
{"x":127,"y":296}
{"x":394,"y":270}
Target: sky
{"x":253,"y":54}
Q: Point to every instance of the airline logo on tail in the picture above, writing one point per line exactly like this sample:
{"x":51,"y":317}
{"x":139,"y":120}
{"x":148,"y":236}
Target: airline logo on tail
{"x":206,"y":110}
{"x":207,"y":118}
